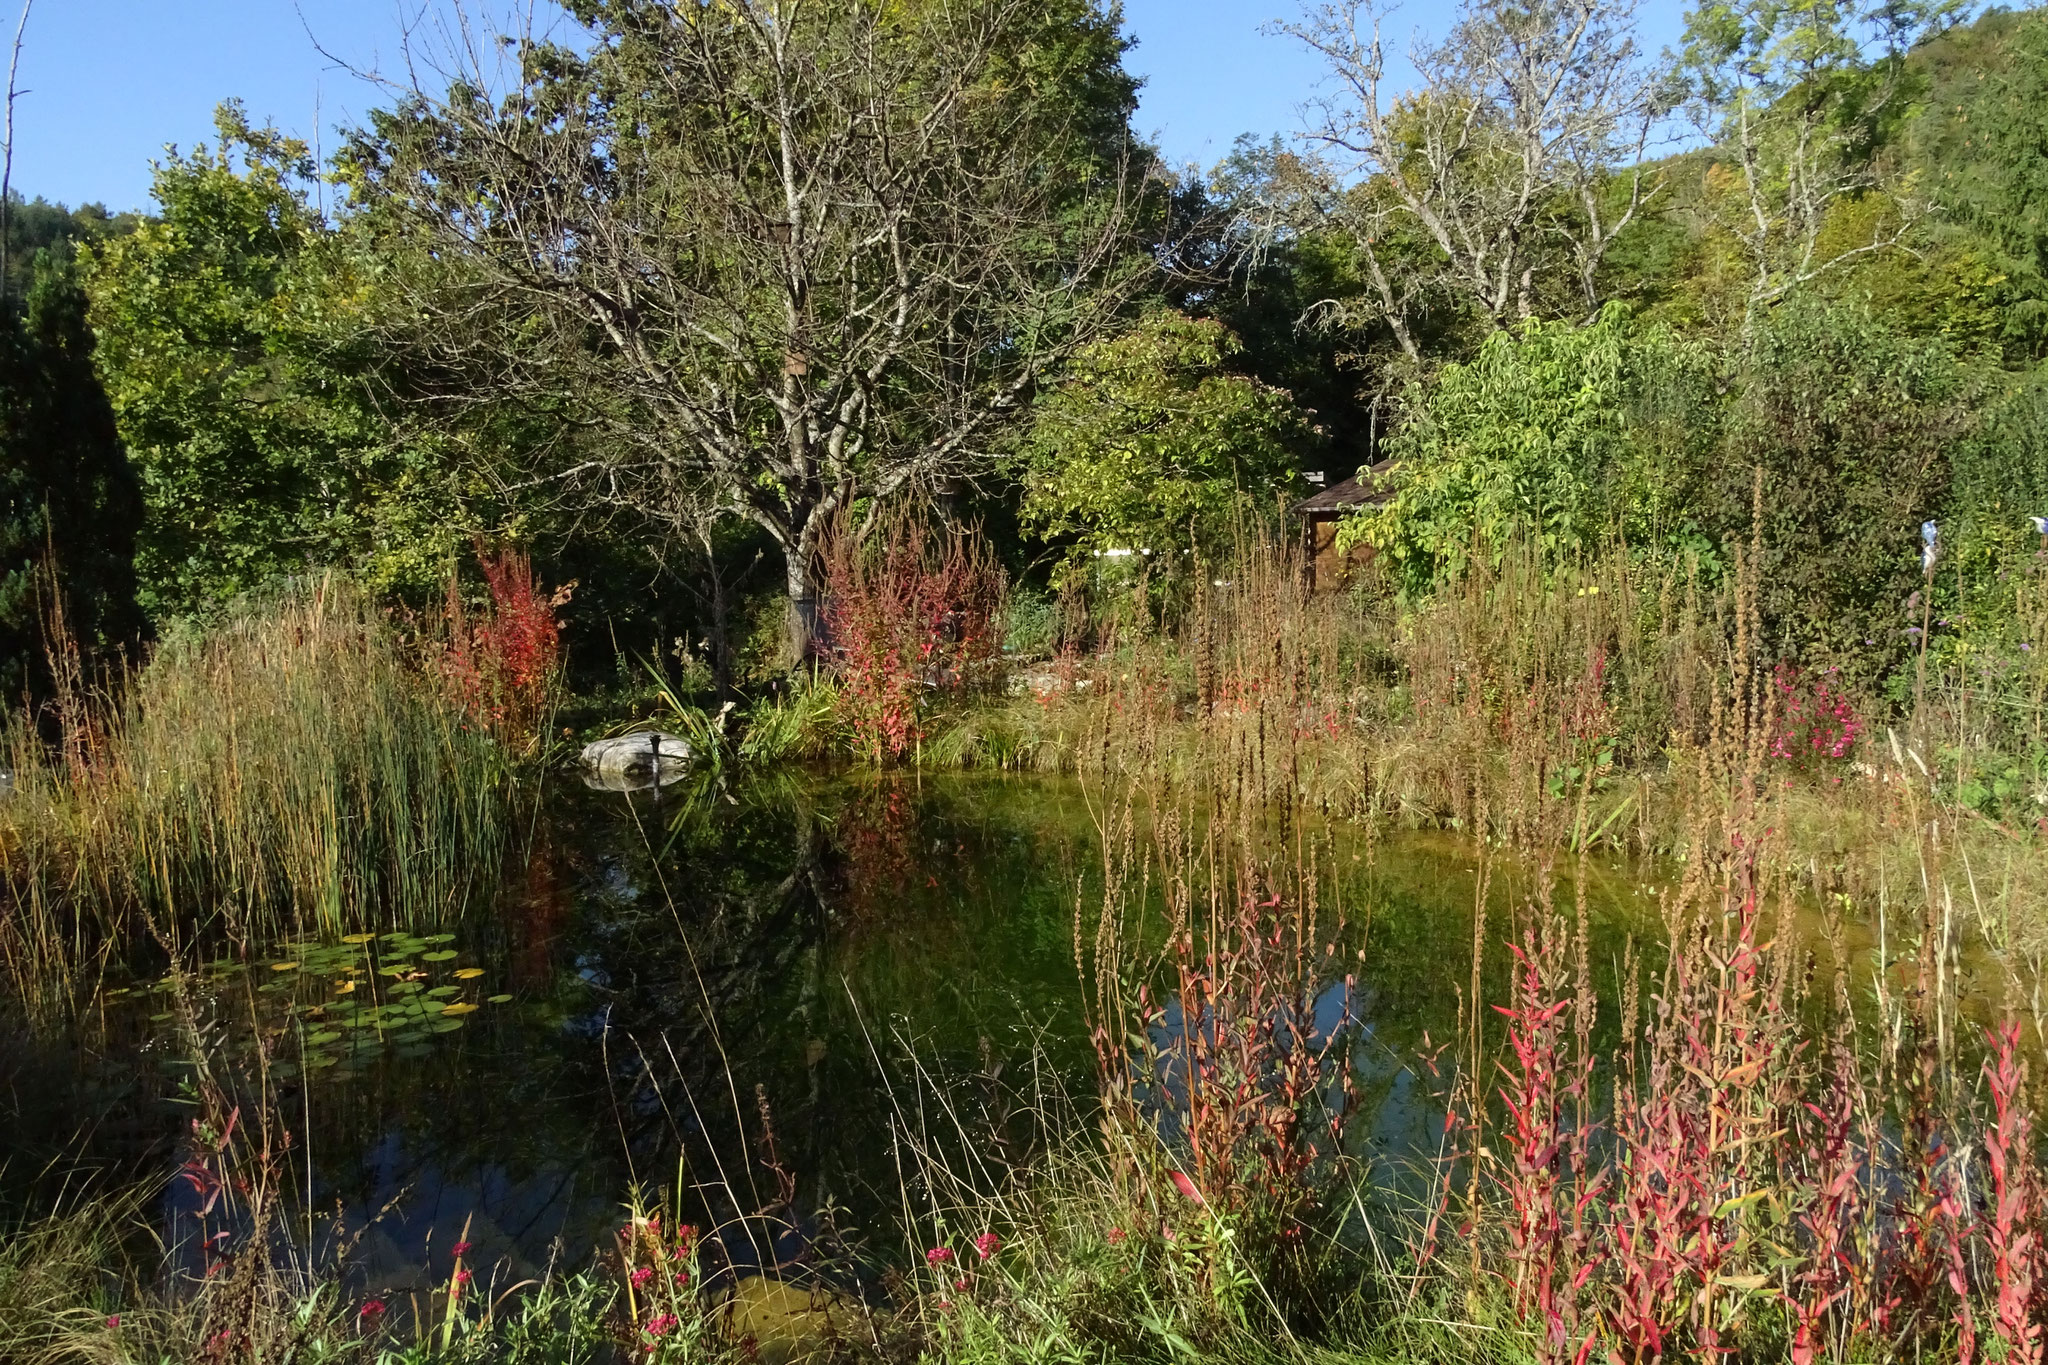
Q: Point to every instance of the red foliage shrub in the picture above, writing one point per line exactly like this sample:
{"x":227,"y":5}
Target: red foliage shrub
{"x":910,"y":612}
{"x":502,"y":663}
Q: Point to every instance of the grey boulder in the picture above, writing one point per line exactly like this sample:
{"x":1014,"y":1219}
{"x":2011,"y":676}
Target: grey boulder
{"x":646,"y":758}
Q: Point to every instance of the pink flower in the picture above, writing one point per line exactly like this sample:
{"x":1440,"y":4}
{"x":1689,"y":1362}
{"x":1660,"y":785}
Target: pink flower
{"x":372,"y":1310}
{"x":660,"y":1326}
{"x":114,"y":1323}
{"x":462,"y":1248}
{"x":1116,"y":1236}
{"x":938,"y":1256}
{"x":682,"y":1277}
{"x":988,"y":1244}
{"x":960,"y":1283}
{"x":641,"y":1276}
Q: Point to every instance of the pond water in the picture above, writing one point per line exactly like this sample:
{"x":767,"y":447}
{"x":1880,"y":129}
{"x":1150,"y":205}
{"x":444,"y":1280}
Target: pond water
{"x":661,"y":972}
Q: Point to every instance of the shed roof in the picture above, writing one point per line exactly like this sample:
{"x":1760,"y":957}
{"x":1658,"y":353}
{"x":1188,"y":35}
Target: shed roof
{"x":1370,"y":487}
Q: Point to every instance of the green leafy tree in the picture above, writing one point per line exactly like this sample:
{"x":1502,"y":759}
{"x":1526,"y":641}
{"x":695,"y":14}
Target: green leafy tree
{"x":1561,"y":434}
{"x":33,"y":224}
{"x":244,"y":377}
{"x":1150,"y":442}
{"x":69,"y":507}
{"x":783,"y":256}
{"x":1983,"y":142}
{"x":1854,"y":425}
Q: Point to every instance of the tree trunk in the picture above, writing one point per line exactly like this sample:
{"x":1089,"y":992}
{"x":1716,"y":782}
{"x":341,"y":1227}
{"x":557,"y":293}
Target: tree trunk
{"x":804,"y":615}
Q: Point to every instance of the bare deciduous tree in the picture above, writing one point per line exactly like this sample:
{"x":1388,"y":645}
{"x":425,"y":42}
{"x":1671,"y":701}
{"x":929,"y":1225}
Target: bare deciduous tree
{"x":793,"y":252}
{"x":1799,"y":97}
{"x":1520,"y":151}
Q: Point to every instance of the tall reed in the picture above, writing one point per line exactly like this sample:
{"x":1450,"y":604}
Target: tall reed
{"x":290,"y":770}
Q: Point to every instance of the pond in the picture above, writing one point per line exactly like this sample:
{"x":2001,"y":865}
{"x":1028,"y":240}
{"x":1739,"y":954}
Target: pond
{"x":733,"y":988}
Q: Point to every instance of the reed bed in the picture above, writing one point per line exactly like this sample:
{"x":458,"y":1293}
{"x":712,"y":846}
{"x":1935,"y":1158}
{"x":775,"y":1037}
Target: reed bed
{"x":298,"y":768}
{"x":1758,"y":1142}
{"x":1547,"y":706}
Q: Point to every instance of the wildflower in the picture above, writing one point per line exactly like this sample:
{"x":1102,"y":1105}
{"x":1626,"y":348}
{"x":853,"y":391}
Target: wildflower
{"x":682,"y":1277}
{"x":660,"y":1327}
{"x":938,"y":1256}
{"x":462,"y":1248}
{"x":371,"y":1311}
{"x":988,"y":1244}
{"x":1116,"y":1236}
{"x":960,"y":1283}
{"x":114,"y":1322}
{"x":641,"y":1276}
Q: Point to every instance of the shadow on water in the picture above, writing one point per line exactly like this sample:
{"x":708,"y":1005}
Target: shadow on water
{"x":707,"y":988}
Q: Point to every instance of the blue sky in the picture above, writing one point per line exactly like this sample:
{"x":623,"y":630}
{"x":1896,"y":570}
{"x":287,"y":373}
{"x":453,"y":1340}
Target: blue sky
{"x":110,"y":82}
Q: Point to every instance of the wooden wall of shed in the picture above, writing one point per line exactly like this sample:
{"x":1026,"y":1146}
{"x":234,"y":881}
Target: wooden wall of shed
{"x":1329,"y":571}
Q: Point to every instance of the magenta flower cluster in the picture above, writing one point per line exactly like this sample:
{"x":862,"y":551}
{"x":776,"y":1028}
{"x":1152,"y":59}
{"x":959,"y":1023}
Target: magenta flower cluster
{"x":1815,"y":720}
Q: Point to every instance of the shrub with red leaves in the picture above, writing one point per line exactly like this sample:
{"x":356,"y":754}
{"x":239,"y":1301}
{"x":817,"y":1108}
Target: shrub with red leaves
{"x":503,"y":661}
{"x":909,"y":613}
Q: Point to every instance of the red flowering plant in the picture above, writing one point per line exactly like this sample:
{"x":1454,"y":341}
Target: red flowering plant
{"x":503,"y":661}
{"x":1816,"y":722}
{"x":661,"y":1313}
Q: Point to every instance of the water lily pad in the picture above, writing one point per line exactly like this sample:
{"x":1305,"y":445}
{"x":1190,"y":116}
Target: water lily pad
{"x":405,"y":987}
{"x":440,"y":991}
{"x":443,"y":955}
{"x":438,"y":938}
{"x":357,"y":938}
{"x":445,"y":1025}
{"x":284,"y":966}
{"x":322,"y":1038}
{"x":499,"y":1000}
{"x":464,"y":1008}
{"x":408,"y":1038}
{"x":469,"y":973}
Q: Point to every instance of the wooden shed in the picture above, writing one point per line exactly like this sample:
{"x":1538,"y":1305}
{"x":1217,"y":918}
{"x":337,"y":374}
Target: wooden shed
{"x":1329,"y":571}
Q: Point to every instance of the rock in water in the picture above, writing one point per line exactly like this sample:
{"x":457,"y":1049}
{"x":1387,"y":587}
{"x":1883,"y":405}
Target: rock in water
{"x":635,"y":762}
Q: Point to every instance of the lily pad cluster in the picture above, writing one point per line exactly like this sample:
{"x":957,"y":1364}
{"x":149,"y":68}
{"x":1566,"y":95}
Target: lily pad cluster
{"x":350,"y":1003}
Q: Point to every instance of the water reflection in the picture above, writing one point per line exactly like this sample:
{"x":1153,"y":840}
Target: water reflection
{"x":715,"y":988}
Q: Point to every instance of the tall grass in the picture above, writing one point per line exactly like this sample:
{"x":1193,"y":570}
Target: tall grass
{"x":290,"y":770}
{"x":1760,"y":1145}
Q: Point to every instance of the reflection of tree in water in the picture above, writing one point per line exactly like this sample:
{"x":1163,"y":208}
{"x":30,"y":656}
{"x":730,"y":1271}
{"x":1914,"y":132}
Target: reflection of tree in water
{"x":879,"y":843}
{"x":777,"y":941}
